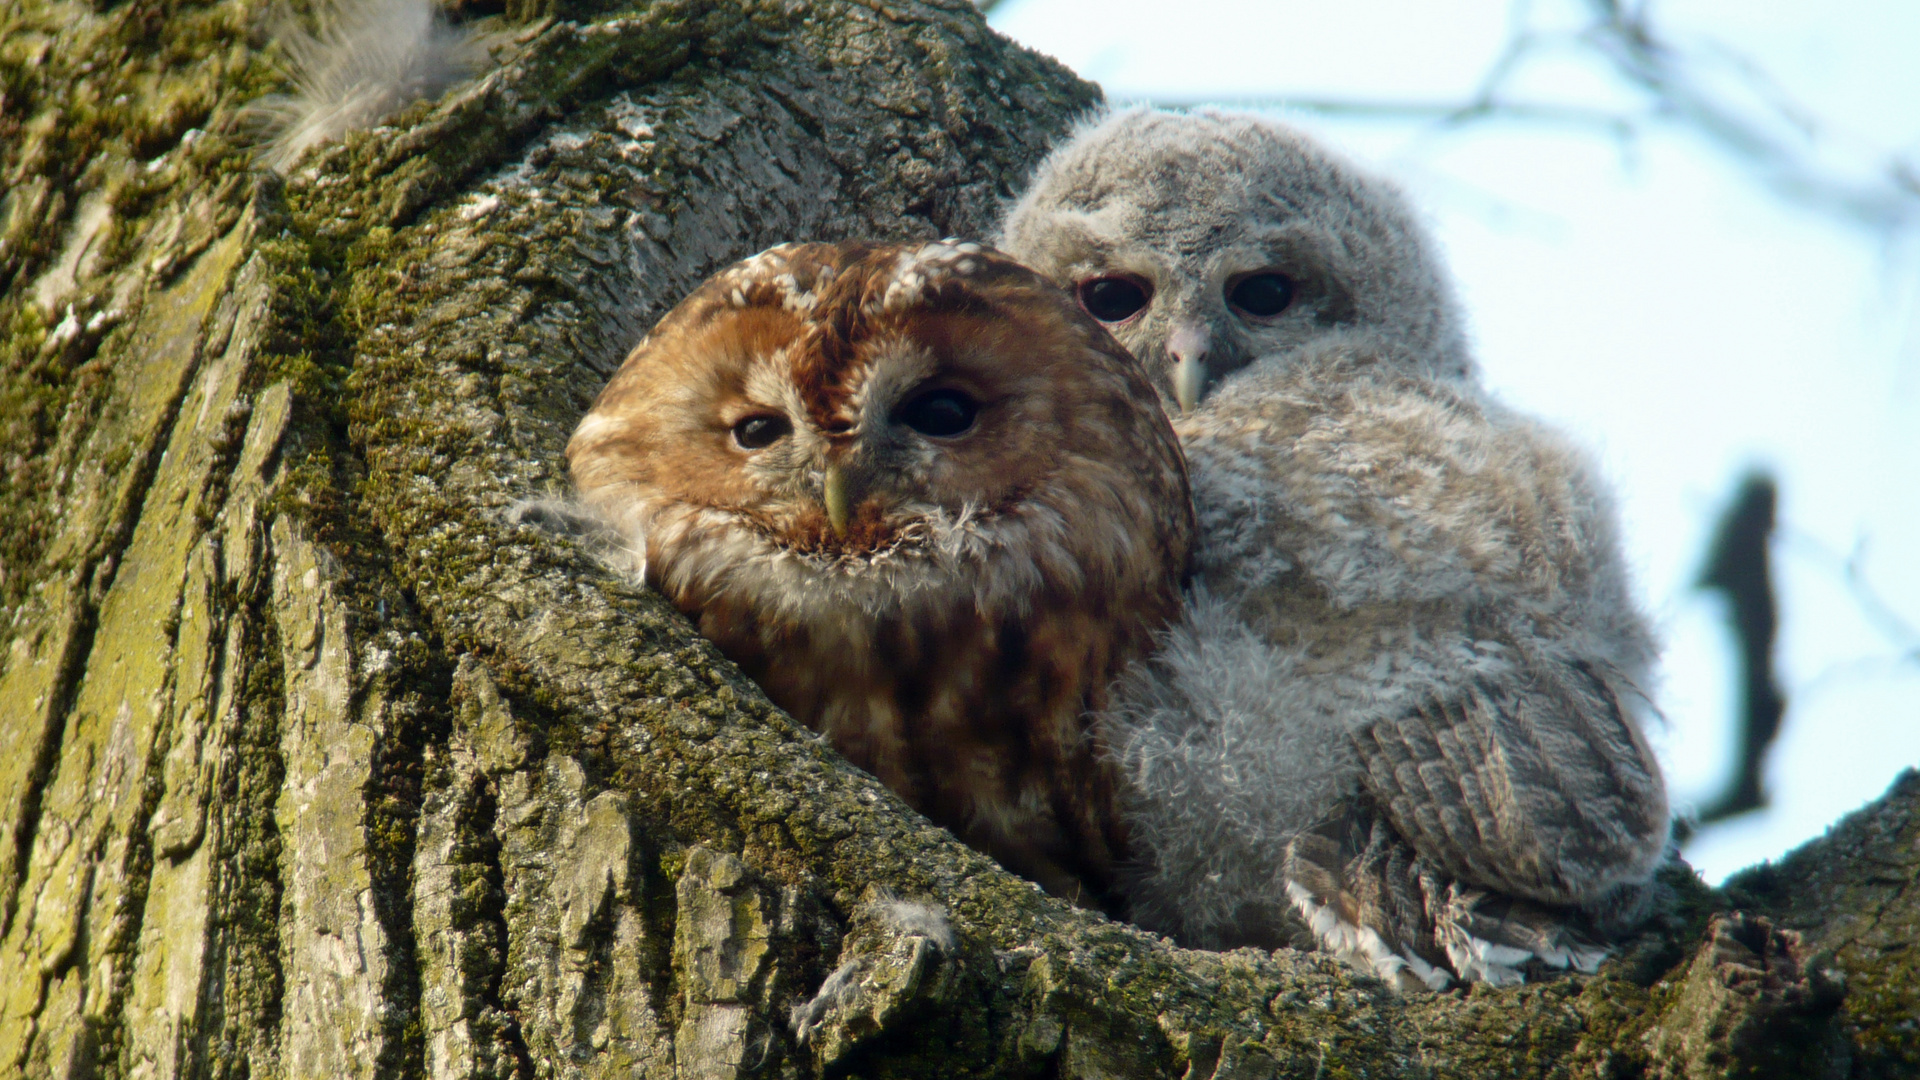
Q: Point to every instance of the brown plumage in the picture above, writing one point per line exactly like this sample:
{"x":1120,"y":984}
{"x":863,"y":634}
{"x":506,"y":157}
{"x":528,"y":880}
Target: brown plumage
{"x":924,"y":501}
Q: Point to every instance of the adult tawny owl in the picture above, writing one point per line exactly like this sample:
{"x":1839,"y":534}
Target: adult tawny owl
{"x":928,"y":504}
{"x":1404,"y":700}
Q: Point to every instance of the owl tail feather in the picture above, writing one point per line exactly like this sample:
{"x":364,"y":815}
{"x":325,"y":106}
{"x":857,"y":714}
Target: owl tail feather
{"x":1373,"y":903}
{"x":1363,"y":947}
{"x":1489,"y":937}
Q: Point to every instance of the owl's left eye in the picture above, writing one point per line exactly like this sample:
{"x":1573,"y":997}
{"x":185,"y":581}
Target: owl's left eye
{"x":1262,"y":295}
{"x":939,"y":413}
{"x":1113,"y":299}
{"x":761,"y":431}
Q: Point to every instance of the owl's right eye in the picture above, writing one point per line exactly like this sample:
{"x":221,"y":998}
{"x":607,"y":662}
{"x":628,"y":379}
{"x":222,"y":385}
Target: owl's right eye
{"x":940,"y":413}
{"x":760,"y":431}
{"x":1262,"y":295}
{"x":1113,"y":299}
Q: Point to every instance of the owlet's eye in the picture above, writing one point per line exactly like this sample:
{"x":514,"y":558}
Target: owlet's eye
{"x":1262,"y":295}
{"x":760,"y":431}
{"x":939,"y":413}
{"x":1113,"y":299}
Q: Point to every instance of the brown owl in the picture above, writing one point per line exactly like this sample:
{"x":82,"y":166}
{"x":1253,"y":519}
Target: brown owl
{"x":929,"y":505}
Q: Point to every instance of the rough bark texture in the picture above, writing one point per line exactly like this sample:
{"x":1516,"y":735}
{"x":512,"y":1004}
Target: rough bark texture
{"x":324,"y":757}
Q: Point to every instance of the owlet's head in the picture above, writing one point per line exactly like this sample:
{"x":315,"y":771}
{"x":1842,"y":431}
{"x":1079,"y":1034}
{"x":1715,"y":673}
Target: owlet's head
{"x":1208,"y":240}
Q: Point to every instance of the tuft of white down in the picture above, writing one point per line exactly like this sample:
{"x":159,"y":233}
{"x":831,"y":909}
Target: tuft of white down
{"x":1231,"y":745}
{"x":367,"y":60}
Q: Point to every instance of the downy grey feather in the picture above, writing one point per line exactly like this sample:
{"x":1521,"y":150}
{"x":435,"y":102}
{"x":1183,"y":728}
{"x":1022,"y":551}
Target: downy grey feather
{"x":1405,"y":705}
{"x":364,"y":61}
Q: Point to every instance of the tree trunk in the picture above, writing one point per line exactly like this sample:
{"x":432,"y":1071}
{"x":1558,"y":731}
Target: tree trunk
{"x":325,"y":757}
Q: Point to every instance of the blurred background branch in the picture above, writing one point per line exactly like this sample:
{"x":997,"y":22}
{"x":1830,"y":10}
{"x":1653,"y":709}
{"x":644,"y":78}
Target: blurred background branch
{"x":1715,"y":92}
{"x":1851,"y":569}
{"x":1738,"y":567}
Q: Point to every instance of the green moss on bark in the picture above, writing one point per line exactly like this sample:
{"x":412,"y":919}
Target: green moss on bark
{"x":588,"y":780}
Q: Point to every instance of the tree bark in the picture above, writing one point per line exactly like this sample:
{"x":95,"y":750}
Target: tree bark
{"x":327,"y":754}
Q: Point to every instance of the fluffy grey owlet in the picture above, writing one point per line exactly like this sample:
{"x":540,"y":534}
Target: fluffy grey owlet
{"x":1403,"y":704}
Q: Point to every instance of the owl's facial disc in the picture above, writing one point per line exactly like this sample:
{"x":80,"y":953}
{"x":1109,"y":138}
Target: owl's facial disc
{"x":1191,"y":298}
{"x":1189,"y":314}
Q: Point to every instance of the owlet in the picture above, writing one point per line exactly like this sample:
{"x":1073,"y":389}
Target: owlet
{"x":1403,"y":705}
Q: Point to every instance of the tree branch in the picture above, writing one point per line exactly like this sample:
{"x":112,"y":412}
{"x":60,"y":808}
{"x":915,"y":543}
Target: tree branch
{"x":1778,"y":142}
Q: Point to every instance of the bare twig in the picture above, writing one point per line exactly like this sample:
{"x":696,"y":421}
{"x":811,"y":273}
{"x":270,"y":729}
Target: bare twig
{"x":1446,"y":113}
{"x":1852,"y":570}
{"x":1889,"y":200}
{"x":1774,"y":136}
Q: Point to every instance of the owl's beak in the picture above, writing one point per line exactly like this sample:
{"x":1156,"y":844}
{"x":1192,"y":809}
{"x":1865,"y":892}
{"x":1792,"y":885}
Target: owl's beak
{"x":839,"y":504}
{"x":1187,"y":345}
{"x":1189,"y":381}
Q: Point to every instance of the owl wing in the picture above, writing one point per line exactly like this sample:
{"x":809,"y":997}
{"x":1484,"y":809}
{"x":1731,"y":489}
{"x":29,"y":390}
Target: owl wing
{"x":1539,"y":786}
{"x":1372,"y":901}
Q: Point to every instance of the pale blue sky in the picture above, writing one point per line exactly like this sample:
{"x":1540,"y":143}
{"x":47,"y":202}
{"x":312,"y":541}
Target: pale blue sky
{"x":1657,"y":301}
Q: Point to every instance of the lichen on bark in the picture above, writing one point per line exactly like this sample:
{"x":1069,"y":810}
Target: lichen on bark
{"x":336,"y":758}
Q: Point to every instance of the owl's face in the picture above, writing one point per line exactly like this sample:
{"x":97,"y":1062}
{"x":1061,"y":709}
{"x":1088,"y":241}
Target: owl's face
{"x":824,"y":426}
{"x":1204,"y":242}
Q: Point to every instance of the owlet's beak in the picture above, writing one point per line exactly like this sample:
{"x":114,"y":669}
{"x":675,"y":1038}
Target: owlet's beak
{"x":839,"y":504}
{"x":1189,"y":381}
{"x":1187,"y":347}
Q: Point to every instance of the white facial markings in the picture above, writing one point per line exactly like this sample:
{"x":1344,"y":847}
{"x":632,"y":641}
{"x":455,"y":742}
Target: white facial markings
{"x":769,"y":381}
{"x":793,"y":298}
{"x":597,"y":425}
{"x":929,"y":265}
{"x":773,"y":267}
{"x":765,"y":264}
{"x":892,"y":368}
